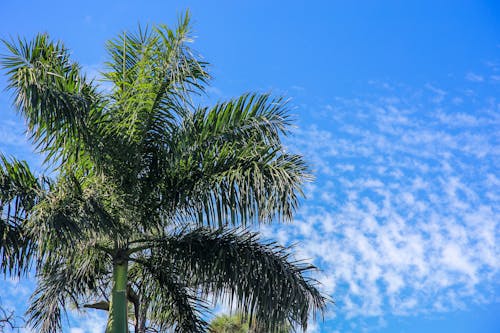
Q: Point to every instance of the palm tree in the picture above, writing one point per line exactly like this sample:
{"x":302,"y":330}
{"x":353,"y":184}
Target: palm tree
{"x":151,"y":196}
{"x":238,"y":323}
{"x":228,"y":324}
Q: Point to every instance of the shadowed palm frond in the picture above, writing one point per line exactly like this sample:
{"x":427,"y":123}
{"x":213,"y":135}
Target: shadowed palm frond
{"x":171,"y":304}
{"x":74,"y":212}
{"x":260,"y":278}
{"x":20,"y":190}
{"x":62,"y":281}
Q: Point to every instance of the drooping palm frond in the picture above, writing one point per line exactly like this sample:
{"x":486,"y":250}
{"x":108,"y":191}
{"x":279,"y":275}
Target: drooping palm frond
{"x":72,"y":213}
{"x":167,"y":301}
{"x":19,"y":192}
{"x":260,"y":278}
{"x":76,"y":278}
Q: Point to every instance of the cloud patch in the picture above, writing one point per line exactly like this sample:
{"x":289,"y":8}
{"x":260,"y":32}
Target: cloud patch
{"x":403,"y":216}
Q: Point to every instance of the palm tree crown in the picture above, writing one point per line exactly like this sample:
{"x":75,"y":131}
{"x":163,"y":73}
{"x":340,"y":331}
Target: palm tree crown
{"x":152,"y":195}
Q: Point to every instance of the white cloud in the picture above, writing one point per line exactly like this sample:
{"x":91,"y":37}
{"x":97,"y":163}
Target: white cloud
{"x":439,"y":94}
{"x":76,"y":330}
{"x":405,"y":212}
{"x":92,"y":321}
{"x":473,"y":77}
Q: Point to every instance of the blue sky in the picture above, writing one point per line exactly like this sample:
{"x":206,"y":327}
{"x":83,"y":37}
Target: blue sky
{"x":397,"y":109}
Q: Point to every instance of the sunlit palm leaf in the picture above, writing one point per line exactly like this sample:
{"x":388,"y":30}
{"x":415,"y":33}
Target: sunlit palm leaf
{"x":57,"y":101}
{"x":153,"y":73}
{"x":227,"y":165}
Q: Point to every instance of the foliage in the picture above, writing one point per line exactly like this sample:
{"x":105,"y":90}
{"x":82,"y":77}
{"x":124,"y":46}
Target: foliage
{"x":228,"y":324}
{"x":238,"y":323}
{"x":152,"y":195}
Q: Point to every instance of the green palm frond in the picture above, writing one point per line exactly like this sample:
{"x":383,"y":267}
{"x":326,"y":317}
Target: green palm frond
{"x":20,"y":190}
{"x":260,"y":278}
{"x":169,"y":302}
{"x":227,"y":165}
{"x":57,"y":101}
{"x":74,"y":279}
{"x":72,"y":213}
{"x":254,"y":117}
{"x":153,"y":73}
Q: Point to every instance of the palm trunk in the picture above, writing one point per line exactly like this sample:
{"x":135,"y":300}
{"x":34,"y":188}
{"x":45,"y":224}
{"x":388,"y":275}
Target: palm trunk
{"x":117,"y":320}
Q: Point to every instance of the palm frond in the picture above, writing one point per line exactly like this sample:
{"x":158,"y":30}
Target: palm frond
{"x":19,"y":192}
{"x":260,"y":278}
{"x":254,"y":117}
{"x":57,"y":101}
{"x":64,"y":281}
{"x":257,"y":188}
{"x":227,"y":165}
{"x":169,"y":302}
{"x":73,"y":212}
{"x":153,"y":73}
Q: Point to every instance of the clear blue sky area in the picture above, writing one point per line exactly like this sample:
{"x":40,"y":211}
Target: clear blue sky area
{"x":397,"y":108}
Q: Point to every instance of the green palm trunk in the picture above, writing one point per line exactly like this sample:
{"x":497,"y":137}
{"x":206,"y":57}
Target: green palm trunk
{"x":117,"y":320}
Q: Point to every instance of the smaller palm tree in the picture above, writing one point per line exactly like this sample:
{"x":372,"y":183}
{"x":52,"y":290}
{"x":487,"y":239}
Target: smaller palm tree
{"x":228,"y":324}
{"x":238,"y":323}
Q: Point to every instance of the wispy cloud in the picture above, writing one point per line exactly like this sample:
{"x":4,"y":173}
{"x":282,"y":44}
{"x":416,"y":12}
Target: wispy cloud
{"x":14,"y":140}
{"x":404,"y":216}
{"x":89,"y":322}
{"x":473,"y":77}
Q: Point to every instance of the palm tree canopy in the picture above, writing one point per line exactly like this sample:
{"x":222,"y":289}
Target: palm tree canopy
{"x":146,"y":177}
